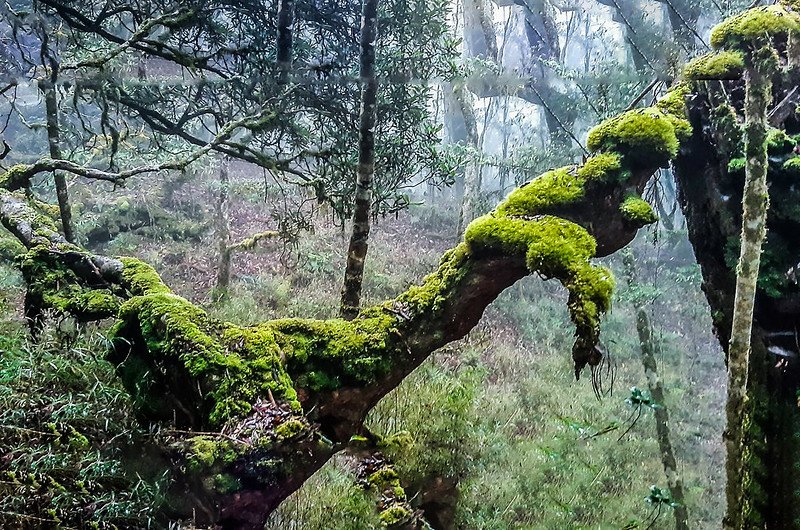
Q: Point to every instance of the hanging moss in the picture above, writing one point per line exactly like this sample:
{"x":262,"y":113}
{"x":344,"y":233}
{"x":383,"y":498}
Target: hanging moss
{"x":637,"y":211}
{"x":715,"y":66}
{"x":755,"y":27}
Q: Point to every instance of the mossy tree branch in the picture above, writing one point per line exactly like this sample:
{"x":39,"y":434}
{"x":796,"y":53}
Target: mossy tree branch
{"x":287,"y":394}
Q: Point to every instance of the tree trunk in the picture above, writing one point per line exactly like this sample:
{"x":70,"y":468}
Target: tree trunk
{"x":648,"y":349}
{"x":220,"y":291}
{"x":472,"y":173}
{"x":53,"y":139}
{"x":743,"y":459}
{"x":284,"y":52}
{"x":359,"y":239}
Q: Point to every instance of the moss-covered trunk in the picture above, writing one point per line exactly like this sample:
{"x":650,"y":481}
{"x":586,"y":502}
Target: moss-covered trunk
{"x":359,"y":238}
{"x":744,"y":436}
{"x":649,"y":349}
{"x":48,"y":88}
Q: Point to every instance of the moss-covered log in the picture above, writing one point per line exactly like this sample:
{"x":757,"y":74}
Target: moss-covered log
{"x":285,"y":395}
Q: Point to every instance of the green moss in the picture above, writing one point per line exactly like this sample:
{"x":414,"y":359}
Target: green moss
{"x":206,"y":452}
{"x":395,"y":515}
{"x":554,"y":248}
{"x":554,"y":188}
{"x":792,"y":166}
{"x":645,"y":137}
{"x":603,"y":167}
{"x":226,"y":483}
{"x":637,"y":211}
{"x":736,"y":165}
{"x":779,"y":143}
{"x":715,"y":65}
{"x":291,"y":429}
{"x":755,"y":27}
{"x":15,"y":177}
{"x":674,"y":101}
{"x":384,"y":478}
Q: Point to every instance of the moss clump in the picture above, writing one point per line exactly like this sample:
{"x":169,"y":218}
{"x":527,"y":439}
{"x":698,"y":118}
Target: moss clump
{"x":290,"y":429}
{"x":719,"y":65}
{"x":53,"y":285}
{"x":674,"y":101}
{"x":432,"y":293}
{"x":736,"y":165}
{"x":755,"y":27}
{"x":323,"y":355}
{"x":554,"y":188}
{"x":395,"y":515}
{"x":384,"y":478}
{"x":645,"y":137}
{"x":779,"y":143}
{"x":15,"y":177}
{"x":205,"y":452}
{"x":235,"y":365}
{"x":603,"y":167}
{"x":637,"y":211}
{"x":554,"y":248}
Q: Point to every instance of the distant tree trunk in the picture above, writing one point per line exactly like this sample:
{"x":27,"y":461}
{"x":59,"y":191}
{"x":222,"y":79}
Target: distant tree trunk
{"x":48,"y":88}
{"x":220,"y":291}
{"x":359,"y":239}
{"x":472,"y":173}
{"x":648,"y":349}
{"x":741,"y":432}
{"x":284,"y":52}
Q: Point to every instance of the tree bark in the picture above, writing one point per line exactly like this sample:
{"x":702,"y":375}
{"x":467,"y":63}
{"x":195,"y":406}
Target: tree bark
{"x":359,"y":239}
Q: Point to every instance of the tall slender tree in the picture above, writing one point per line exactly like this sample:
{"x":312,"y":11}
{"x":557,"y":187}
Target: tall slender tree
{"x":359,"y":238}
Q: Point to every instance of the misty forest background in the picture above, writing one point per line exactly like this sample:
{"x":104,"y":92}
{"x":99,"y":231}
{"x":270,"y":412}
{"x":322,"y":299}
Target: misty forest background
{"x":493,"y":428}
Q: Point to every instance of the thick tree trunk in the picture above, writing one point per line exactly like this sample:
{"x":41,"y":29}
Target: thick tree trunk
{"x":53,"y":139}
{"x":359,"y":239}
{"x":223,"y":233}
{"x":743,"y":459}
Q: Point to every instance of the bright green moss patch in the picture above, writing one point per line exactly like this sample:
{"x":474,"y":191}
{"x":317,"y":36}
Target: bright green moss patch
{"x":433,"y":292}
{"x":141,"y":278}
{"x":206,"y":452}
{"x":554,"y":188}
{"x":755,"y":27}
{"x":603,"y":167}
{"x":736,"y":165}
{"x":674,"y":101}
{"x":290,"y":429}
{"x":554,"y":248}
{"x":719,"y":65}
{"x":637,"y":211}
{"x":395,"y":515}
{"x":323,"y":355}
{"x":792,"y":166}
{"x":645,"y":137}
